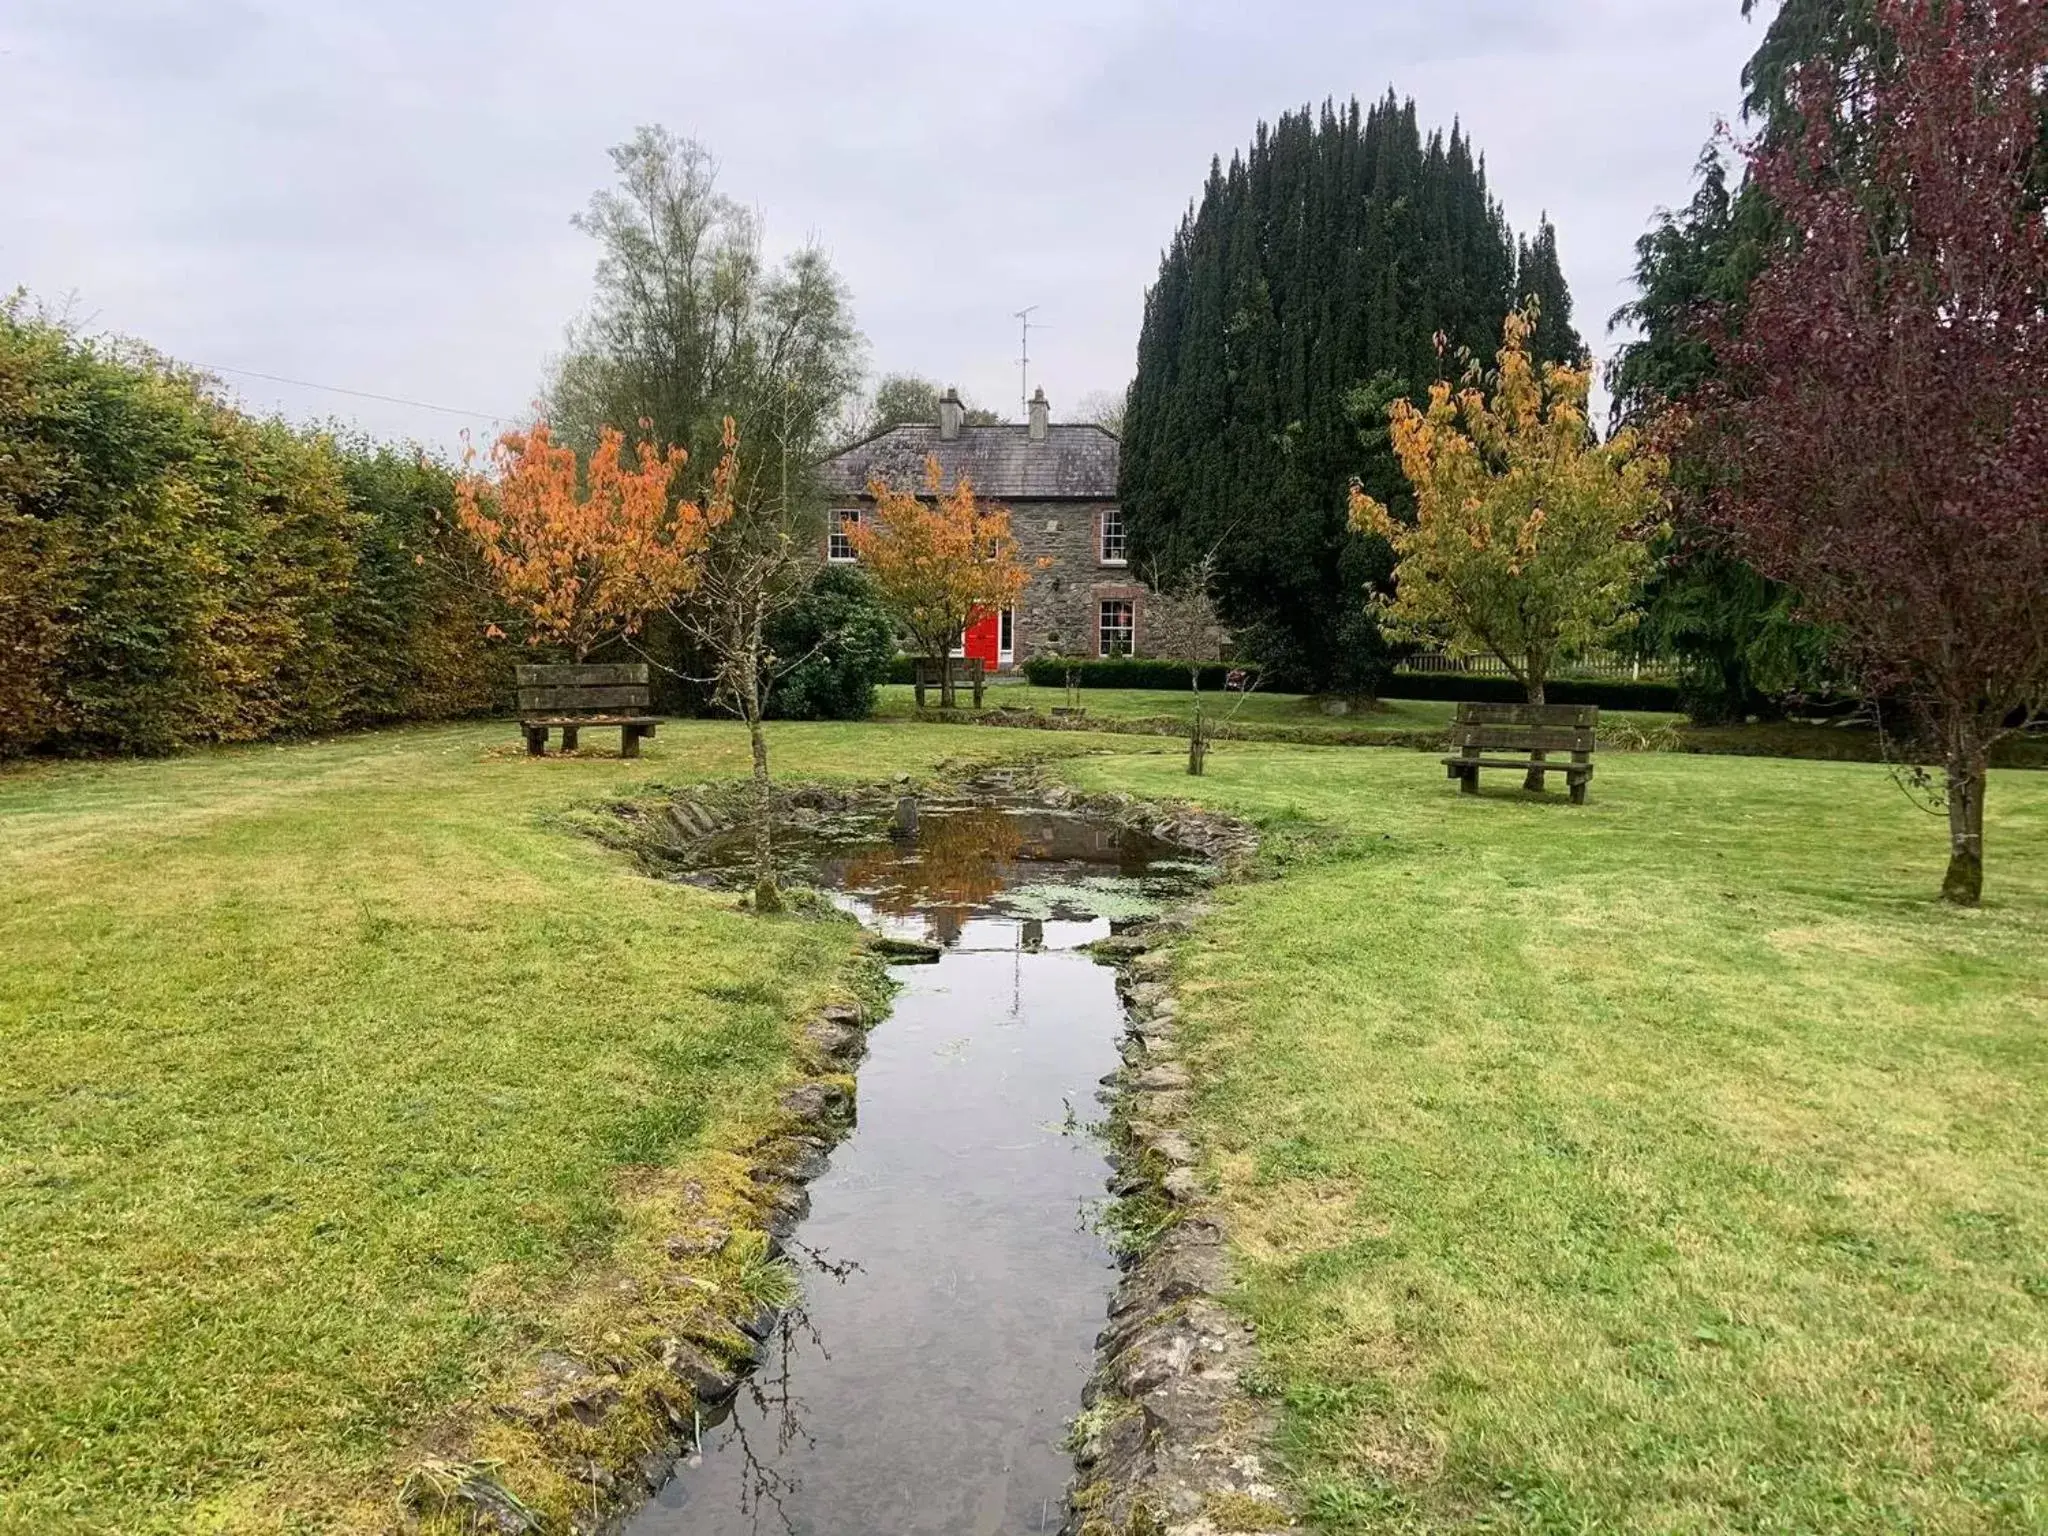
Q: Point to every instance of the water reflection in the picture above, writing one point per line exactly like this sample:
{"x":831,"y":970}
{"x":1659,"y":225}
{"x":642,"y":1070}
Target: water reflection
{"x":944,"y":867}
{"x":939,"y":869}
{"x":961,"y":1295}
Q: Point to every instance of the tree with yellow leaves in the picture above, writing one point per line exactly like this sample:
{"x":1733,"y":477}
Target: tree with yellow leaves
{"x":939,"y":560}
{"x":1529,"y":536}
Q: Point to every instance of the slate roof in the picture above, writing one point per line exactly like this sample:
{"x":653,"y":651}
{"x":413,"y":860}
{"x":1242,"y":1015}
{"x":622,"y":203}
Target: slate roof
{"x":1074,"y":462}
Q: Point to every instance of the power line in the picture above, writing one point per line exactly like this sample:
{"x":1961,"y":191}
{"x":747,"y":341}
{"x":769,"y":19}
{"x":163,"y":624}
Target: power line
{"x":360,"y":394}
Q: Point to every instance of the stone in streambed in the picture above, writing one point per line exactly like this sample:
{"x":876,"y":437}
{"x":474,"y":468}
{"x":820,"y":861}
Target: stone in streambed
{"x":709,"y":1379}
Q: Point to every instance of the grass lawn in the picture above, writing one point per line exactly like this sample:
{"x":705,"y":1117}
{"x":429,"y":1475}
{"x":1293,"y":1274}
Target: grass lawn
{"x":1668,"y":1164}
{"x":324,"y":1073}
{"x":1674,"y":1164}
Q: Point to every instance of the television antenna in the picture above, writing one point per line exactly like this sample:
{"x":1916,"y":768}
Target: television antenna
{"x":1026,"y":325}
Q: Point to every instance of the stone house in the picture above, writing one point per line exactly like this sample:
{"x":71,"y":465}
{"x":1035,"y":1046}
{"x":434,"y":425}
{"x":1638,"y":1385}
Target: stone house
{"x":1058,"y":480}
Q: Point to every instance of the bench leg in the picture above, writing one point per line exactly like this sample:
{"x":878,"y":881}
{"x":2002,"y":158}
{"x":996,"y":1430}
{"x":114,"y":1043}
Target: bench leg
{"x":537,"y":740}
{"x":1578,"y":791}
{"x":569,"y":738}
{"x":1468,"y":781}
{"x":629,"y":741}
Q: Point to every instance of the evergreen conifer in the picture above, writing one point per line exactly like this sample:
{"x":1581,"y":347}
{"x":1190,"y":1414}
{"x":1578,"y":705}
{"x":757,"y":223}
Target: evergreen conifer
{"x":1325,"y":271}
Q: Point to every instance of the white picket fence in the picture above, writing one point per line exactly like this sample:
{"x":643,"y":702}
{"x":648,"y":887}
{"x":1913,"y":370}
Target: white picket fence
{"x":1599,"y":668}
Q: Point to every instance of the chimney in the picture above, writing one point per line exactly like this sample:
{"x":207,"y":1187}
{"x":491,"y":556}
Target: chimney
{"x":1041,"y":416}
{"x":951,"y":414}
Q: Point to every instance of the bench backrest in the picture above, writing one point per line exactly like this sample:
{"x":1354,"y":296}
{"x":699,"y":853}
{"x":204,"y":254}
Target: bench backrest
{"x":927,"y":668}
{"x":599,"y":688}
{"x":1525,"y":728}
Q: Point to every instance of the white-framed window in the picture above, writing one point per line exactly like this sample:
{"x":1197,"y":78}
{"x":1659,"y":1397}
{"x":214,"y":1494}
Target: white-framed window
{"x":1006,"y":642}
{"x":1117,"y":630}
{"x":839,"y":542}
{"x":1116,"y":548}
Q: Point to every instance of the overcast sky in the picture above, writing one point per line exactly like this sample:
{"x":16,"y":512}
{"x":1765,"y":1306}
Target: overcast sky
{"x":376,"y":195}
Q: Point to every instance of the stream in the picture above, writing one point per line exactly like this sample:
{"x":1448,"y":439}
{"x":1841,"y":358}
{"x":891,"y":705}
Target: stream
{"x":954,"y":1279}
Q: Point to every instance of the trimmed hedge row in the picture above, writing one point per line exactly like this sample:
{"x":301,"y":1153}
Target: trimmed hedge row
{"x":173,"y":571}
{"x":1127,"y":672}
{"x":1656,"y":697}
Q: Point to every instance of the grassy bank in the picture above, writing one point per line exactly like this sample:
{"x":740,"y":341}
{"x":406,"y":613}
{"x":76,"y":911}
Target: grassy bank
{"x":1283,"y":717}
{"x":1283,"y":710}
{"x":1422,"y":723}
{"x":1670,"y":1164}
{"x":329,"y":1079}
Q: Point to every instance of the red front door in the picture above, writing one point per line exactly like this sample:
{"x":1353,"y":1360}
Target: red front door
{"x":984,"y":640}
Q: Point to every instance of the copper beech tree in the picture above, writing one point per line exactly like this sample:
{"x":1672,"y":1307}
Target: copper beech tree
{"x":583,"y":552}
{"x":1881,"y":430}
{"x":939,"y":560}
{"x":1528,"y":536}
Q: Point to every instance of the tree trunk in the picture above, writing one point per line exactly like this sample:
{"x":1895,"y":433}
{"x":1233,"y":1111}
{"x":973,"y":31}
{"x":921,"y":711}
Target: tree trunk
{"x":767,"y":897}
{"x":1534,"y":688}
{"x":1198,"y":740}
{"x":946,"y":678}
{"x":1964,"y":882}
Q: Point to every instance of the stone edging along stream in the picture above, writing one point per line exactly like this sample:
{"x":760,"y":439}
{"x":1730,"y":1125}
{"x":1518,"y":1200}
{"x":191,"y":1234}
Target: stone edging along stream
{"x":1167,"y":1443}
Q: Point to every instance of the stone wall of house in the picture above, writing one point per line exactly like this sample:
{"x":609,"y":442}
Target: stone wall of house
{"x":1060,"y":611}
{"x":1065,"y":598}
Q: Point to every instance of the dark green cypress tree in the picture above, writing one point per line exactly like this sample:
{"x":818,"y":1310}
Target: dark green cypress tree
{"x":1304,"y":290}
{"x":1540,"y":276}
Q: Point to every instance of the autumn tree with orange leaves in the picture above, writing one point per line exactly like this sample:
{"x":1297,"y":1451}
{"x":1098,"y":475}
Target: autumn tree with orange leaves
{"x":584,"y":557}
{"x":939,"y":560}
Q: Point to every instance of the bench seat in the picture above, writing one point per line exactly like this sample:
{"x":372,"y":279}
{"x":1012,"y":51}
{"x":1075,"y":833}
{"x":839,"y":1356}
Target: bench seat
{"x":650,"y":721}
{"x":567,"y":698}
{"x":1533,"y":731}
{"x":1583,"y":770}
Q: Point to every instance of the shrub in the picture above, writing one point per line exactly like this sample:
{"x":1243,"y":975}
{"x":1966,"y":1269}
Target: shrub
{"x":848,"y":641}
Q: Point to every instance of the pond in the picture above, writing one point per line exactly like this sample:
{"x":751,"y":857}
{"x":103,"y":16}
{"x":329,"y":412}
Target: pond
{"x":954,"y":1277}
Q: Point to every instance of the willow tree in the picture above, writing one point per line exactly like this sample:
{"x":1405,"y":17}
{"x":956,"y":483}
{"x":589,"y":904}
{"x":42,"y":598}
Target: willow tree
{"x":1527,"y":543}
{"x":691,"y":323}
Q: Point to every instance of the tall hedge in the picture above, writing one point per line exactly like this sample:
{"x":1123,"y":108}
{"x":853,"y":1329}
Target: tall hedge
{"x":174,"y":572}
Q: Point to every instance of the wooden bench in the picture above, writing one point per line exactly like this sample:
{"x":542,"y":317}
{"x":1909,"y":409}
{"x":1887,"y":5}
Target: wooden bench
{"x":926,"y":672}
{"x":571,"y":697}
{"x":1484,"y":730}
